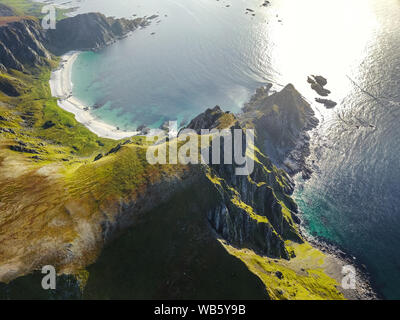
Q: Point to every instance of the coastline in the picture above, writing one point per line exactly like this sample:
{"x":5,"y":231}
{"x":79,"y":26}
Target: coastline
{"x":336,"y":258}
{"x":333,"y":266}
{"x":61,"y":88}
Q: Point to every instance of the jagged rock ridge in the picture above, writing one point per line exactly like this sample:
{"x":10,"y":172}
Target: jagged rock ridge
{"x":282,"y":120}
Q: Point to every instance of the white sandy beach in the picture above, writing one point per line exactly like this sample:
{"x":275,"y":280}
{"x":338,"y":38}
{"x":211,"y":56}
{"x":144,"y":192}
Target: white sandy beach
{"x":61,"y":88}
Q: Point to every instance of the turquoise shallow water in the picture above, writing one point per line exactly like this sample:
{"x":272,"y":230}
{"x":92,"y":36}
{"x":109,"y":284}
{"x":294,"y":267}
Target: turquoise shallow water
{"x":191,"y":63}
{"x":203,"y":54}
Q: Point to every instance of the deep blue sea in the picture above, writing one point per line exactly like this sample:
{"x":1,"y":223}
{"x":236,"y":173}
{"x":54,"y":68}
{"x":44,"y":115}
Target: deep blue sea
{"x":204,"y":53}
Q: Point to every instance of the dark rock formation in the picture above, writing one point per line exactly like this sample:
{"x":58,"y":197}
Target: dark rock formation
{"x":21,"y":43}
{"x":317,"y":84}
{"x":321,"y":80}
{"x":254,"y":211}
{"x":9,"y":86}
{"x":48,"y":124}
{"x":252,"y":214}
{"x":210,"y":119}
{"x":22,"y":148}
{"x":282,"y":121}
{"x":326,"y":102}
{"x":89,"y":32}
{"x":98,"y":157}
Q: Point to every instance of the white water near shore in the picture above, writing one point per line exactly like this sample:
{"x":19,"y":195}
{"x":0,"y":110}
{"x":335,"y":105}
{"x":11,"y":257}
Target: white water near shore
{"x":61,"y":88}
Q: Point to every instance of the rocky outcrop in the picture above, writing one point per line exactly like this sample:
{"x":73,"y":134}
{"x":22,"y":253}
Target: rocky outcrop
{"x":282,"y":120}
{"x":21,"y":43}
{"x":254,"y":211}
{"x":9,"y":86}
{"x":89,"y":31}
{"x":317,"y":84}
{"x":210,"y":119}
{"x":326,"y":102}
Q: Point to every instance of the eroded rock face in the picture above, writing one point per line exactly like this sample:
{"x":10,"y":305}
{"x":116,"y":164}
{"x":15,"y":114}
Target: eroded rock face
{"x":251,"y":212}
{"x":21,"y":44}
{"x":254,"y":211}
{"x":318,"y":84}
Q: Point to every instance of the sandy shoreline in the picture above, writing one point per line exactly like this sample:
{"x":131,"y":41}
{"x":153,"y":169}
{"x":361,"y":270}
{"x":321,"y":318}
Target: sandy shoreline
{"x":61,"y":88}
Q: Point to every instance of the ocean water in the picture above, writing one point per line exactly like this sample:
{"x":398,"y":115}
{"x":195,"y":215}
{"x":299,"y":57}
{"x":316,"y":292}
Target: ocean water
{"x":191,"y":63}
{"x":353,"y":198}
{"x":204,"y":53}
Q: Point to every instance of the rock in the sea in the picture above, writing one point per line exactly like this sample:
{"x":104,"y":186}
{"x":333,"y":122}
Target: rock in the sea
{"x":321,"y":80}
{"x":266,"y":3}
{"x":317,"y":84}
{"x":320,"y":90}
{"x":326,"y":102}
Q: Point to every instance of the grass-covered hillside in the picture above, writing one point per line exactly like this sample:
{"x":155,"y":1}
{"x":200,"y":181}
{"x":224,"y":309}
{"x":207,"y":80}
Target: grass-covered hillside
{"x":30,"y":8}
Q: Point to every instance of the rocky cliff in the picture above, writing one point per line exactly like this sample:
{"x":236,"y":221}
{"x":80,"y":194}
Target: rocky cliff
{"x":253,"y":211}
{"x":21,"y":43}
{"x":89,"y":32}
{"x":282,"y":120}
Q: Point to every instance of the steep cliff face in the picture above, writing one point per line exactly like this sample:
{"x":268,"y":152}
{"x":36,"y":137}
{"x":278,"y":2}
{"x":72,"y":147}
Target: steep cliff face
{"x":21,"y":43}
{"x":282,"y":121}
{"x":253,"y":211}
{"x":89,"y":31}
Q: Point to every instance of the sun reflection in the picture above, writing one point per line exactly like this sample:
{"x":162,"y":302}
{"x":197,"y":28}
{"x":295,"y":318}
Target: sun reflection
{"x":328,"y":37}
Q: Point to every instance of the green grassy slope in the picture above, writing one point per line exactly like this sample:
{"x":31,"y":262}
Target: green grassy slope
{"x":31,"y":8}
